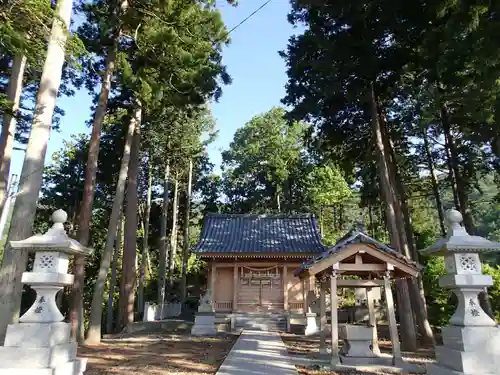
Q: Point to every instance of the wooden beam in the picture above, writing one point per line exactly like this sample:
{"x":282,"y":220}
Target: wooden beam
{"x":334,"y":258}
{"x":358,"y":259}
{"x":372,"y":320}
{"x":394,"y":262}
{"x":359,"y":283}
{"x":393,"y":328}
{"x":366,"y":267}
{"x":255,"y":264}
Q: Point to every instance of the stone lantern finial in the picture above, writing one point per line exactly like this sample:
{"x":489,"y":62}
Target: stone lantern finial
{"x":59,"y":217}
{"x":454,"y":220}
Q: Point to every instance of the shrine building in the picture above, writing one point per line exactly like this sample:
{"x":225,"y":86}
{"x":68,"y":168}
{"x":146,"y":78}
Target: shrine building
{"x":252,"y":259}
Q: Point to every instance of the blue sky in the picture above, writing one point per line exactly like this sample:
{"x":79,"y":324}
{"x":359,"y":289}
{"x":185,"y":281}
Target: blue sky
{"x":252,"y":60}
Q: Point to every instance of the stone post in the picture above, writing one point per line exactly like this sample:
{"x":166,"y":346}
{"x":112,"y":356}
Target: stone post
{"x":472,"y":341}
{"x":204,"y":322}
{"x":40,"y":344}
{"x":312,"y":303}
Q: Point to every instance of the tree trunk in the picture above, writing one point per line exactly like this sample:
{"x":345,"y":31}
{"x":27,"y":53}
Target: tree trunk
{"x":163,"y":238}
{"x":434,"y":182}
{"x":461,"y":185}
{"x":408,"y":336}
{"x":9,"y":122}
{"x":417,"y":295}
{"x":370,"y":218}
{"x":173,"y":234}
{"x":145,"y":238}
{"x":185,"y":242}
{"x":112,"y":281}
{"x":85,"y":217}
{"x":23,"y":217}
{"x":278,"y":201}
{"x":94,"y":333}
{"x":128,"y":277}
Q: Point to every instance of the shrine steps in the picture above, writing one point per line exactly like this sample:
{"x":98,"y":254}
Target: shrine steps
{"x":260,"y":321}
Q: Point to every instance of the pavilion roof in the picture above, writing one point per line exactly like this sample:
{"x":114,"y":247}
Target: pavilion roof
{"x":244,"y":233}
{"x":356,"y":236}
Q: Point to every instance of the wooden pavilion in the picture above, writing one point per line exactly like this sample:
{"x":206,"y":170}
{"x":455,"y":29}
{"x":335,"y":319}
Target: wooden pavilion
{"x":357,"y":254}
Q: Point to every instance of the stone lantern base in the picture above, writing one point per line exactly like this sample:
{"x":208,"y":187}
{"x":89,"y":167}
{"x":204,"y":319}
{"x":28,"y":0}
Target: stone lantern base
{"x":468,"y":351}
{"x":311,"y":324}
{"x":204,"y":324}
{"x":40,"y":349}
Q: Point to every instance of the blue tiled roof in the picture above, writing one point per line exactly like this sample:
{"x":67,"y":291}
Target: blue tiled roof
{"x":238,"y":233}
{"x":354,"y":236}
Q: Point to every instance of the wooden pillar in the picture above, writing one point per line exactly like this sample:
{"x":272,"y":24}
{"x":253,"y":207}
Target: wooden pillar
{"x":322,"y":318}
{"x":235,"y":287}
{"x":304,"y":297}
{"x":212,"y":283}
{"x":335,"y":360}
{"x":391,"y":316}
{"x":285,"y":287}
{"x":312,"y":284}
{"x":372,"y":320}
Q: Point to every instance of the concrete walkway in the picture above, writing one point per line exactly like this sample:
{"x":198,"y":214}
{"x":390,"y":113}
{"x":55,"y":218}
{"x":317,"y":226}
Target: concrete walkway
{"x":258,"y":353}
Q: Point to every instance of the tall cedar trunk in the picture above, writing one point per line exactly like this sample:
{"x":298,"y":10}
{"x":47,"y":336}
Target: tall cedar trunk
{"x":416,"y":288}
{"x":163,"y":238}
{"x":14,"y":90}
{"x":370,"y":218}
{"x":8,"y":203}
{"x":128,"y":277}
{"x":145,"y":238}
{"x":278,"y":201}
{"x":461,"y":186}
{"x":23,"y":217}
{"x":112,"y":281}
{"x":434,"y":181}
{"x":173,"y":234}
{"x":185,"y":241}
{"x":408,"y":336}
{"x":94,"y":332}
{"x":85,"y":217}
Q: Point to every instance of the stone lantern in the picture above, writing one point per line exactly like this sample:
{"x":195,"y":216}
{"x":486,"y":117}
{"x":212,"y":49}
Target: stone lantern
{"x":471,"y":343}
{"x":40,"y":343}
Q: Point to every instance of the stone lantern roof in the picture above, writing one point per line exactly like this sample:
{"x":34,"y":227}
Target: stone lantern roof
{"x":55,"y":239}
{"x":458,"y":240}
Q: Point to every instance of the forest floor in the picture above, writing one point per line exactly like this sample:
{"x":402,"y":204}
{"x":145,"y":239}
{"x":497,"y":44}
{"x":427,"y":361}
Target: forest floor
{"x":157,"y":354}
{"x":302,"y":346}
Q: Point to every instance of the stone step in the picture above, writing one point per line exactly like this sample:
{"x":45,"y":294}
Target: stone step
{"x":260,"y":321}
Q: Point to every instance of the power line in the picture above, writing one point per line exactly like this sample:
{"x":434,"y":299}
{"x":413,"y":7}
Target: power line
{"x":248,"y":17}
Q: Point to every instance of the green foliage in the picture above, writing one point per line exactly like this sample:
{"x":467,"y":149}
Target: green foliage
{"x":268,"y":168}
{"x":494,"y":290}
{"x":440,"y":305}
{"x":326,"y":186}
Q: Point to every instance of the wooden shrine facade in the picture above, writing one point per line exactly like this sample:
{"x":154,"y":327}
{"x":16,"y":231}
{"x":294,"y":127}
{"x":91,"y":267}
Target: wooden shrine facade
{"x":252,"y":259}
